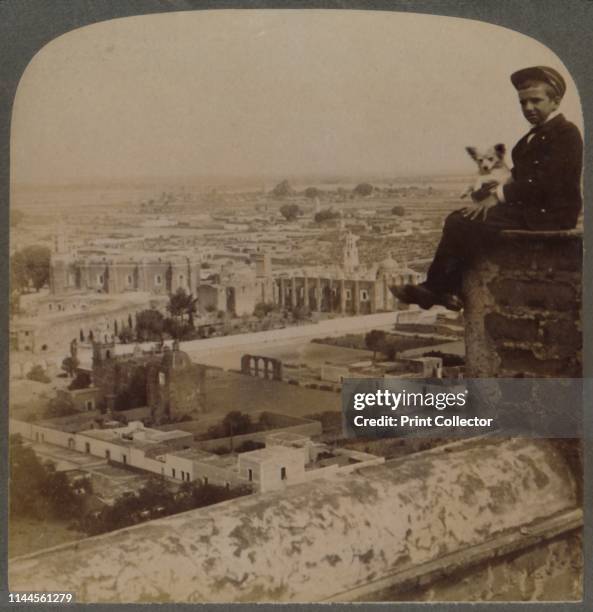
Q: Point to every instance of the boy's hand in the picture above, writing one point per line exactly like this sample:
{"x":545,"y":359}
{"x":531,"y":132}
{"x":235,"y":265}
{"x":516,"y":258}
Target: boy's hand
{"x":484,"y":191}
{"x":480,"y":211}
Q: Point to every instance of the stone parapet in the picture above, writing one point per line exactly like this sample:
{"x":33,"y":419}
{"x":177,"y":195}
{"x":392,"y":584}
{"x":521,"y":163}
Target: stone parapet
{"x":523,"y":307}
{"x":341,"y":538}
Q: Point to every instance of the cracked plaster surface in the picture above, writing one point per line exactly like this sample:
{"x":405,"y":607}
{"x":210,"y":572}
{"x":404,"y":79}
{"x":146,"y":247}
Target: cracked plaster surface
{"x":316,"y":539}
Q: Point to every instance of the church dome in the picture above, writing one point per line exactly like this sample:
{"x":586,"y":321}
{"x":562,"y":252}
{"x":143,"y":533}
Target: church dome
{"x":176,"y":359}
{"x":388,"y":266}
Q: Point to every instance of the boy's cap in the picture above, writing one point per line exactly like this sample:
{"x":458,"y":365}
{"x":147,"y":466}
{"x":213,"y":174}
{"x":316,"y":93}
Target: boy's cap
{"x":545,"y":74}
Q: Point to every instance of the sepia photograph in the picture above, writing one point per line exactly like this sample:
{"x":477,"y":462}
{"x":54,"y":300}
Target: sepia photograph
{"x":234,"y":235}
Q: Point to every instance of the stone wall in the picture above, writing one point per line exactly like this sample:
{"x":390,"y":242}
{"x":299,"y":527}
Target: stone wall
{"x":182,"y":391}
{"x":523,"y":307}
{"x":550,"y":571}
{"x":322,"y":540}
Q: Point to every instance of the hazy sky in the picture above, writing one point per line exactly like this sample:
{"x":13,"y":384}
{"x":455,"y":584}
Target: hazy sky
{"x":256,"y":92}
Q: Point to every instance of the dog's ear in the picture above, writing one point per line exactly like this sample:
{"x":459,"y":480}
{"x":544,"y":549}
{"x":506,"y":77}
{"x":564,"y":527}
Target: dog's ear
{"x":473,"y":152}
{"x":500,"y":149}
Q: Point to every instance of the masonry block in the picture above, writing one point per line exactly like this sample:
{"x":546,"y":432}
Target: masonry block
{"x":562,"y":254}
{"x":534,"y":294}
{"x":528,"y":362}
{"x":503,"y":327}
{"x":562,"y":332}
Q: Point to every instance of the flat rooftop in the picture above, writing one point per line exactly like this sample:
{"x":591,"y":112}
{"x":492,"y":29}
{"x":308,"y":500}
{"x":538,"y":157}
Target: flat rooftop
{"x":193,"y":453}
{"x":137,"y":438}
{"x":73,"y":423}
{"x":269,"y":454}
{"x":288,"y":437}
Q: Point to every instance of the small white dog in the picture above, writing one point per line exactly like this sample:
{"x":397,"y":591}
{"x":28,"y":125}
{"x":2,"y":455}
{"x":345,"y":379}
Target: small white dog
{"x":491,"y":167}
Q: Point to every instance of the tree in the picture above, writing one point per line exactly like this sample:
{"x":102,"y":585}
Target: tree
{"x":18,"y":273}
{"x":30,"y":265}
{"x":312,"y":193}
{"x":126,"y":335}
{"x":37,"y":260}
{"x":300,"y":313}
{"x":177,"y":329}
{"x":290,"y":211}
{"x":389,"y":347}
{"x":155,"y":493}
{"x":37,"y":489}
{"x":38,"y":374}
{"x":134,"y":394}
{"x":375,"y":341}
{"x":59,"y":406}
{"x":326,"y":215}
{"x":27,"y":475}
{"x":182,"y":304}
{"x":236,"y":423}
{"x":399,"y":211}
{"x":150,"y":325}
{"x":69,"y":365}
{"x":263,"y":309}
{"x":363,"y":190}
{"x":177,"y":303}
{"x":282,"y":189}
{"x":155,"y":500}
{"x":82,"y":380}
{"x":62,"y":500}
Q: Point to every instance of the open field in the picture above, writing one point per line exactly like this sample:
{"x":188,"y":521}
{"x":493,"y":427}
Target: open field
{"x":231,"y":391}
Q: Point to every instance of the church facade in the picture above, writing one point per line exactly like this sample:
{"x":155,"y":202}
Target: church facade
{"x":351,"y":288}
{"x":103,"y":273}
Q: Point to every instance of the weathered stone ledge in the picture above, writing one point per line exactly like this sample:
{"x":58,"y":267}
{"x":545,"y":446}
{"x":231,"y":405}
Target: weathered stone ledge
{"x":523,"y":306}
{"x":318,"y":540}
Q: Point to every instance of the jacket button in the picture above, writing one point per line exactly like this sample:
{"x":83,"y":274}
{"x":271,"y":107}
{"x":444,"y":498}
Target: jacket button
{"x":535,"y":161}
{"x":542,"y":210}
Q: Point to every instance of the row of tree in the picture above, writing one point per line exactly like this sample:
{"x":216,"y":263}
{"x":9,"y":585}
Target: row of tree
{"x":155,"y":499}
{"x":284,"y":189}
{"x":152,"y":325}
{"x":292,"y":211}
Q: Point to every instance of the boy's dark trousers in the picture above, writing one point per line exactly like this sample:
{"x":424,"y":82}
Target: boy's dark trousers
{"x":463,"y":240}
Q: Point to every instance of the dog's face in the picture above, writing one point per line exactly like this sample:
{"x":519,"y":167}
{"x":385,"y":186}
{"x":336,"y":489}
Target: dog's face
{"x":488,"y":159}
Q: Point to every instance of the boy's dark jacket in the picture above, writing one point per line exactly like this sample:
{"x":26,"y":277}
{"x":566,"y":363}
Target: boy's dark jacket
{"x":547,"y":176}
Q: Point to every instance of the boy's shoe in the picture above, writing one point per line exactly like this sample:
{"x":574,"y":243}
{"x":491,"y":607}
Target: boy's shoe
{"x":425,"y":297}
